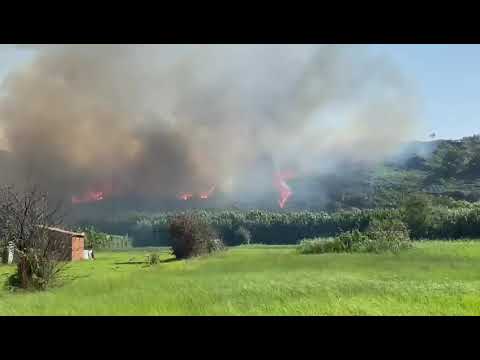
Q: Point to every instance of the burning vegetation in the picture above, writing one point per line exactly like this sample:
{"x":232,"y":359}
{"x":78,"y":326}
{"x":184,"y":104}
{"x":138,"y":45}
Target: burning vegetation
{"x":168,"y":121}
{"x":204,"y":195}
{"x":89,"y":197}
{"x":283,"y":188}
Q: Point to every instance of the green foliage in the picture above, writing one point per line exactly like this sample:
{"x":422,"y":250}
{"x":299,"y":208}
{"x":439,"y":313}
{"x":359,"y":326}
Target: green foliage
{"x":153,"y":259}
{"x":192,"y":236}
{"x":3,"y":253}
{"x":417,"y":215}
{"x":352,"y":241}
{"x":436,"y":171}
{"x":99,"y":240}
{"x":25,"y":220}
{"x":455,"y":223}
{"x":381,"y":236}
{"x":473,"y":165}
{"x":95,"y":239}
{"x":386,"y":235}
{"x":269,"y":227}
{"x":34,"y":272}
{"x":453,"y":162}
{"x":434,"y":218}
{"x":320,"y":246}
{"x":215,"y":244}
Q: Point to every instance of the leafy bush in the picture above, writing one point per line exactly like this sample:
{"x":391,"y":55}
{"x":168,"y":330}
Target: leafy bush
{"x":349,"y":241}
{"x":320,"y":246}
{"x":153,"y":259}
{"x":191,"y":236}
{"x":352,"y":241}
{"x":387,"y":235}
{"x":99,"y":240}
{"x":243,"y":236}
{"x":34,"y":271}
{"x":381,"y":236}
{"x":417,"y":215}
{"x":215,"y":245}
{"x":96,"y":240}
{"x":453,"y":162}
{"x":25,"y":224}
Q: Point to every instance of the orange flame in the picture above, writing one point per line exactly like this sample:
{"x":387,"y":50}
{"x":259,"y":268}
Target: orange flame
{"x":203,"y":195}
{"x":96,"y":193}
{"x":91,"y":196}
{"x":283,"y":188}
{"x":206,"y":195}
{"x":185,"y":196}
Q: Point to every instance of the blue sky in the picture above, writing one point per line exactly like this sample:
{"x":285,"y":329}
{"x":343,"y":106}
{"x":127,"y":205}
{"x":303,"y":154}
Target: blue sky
{"x":446,"y":78}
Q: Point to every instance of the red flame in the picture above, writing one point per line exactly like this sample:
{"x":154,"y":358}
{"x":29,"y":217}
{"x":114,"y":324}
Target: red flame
{"x":96,"y":193}
{"x":206,"y":195}
{"x":185,"y":196}
{"x":203,"y":195}
{"x":283,"y":188}
{"x":91,"y":196}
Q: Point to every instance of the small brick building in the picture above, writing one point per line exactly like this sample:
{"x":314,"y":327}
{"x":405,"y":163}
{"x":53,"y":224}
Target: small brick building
{"x":76,"y":243}
{"x":72,"y":246}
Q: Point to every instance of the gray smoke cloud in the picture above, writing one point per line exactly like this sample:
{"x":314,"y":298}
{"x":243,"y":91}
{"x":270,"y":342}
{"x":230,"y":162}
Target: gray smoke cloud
{"x":162,"y":119}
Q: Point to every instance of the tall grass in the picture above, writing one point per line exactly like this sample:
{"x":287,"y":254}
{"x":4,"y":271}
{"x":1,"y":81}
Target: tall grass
{"x":434,"y":278}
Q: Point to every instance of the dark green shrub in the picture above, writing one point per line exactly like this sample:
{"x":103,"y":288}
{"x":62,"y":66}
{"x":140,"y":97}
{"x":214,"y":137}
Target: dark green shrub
{"x":153,"y":259}
{"x":215,"y":245}
{"x":3,"y":253}
{"x":417,"y":214}
{"x":191,"y":236}
{"x":34,"y":272}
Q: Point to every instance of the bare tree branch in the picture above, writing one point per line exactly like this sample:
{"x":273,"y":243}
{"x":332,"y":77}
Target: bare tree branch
{"x":26,"y":221}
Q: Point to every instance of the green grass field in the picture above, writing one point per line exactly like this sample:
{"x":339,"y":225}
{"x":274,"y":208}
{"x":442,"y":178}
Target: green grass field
{"x":434,"y":278}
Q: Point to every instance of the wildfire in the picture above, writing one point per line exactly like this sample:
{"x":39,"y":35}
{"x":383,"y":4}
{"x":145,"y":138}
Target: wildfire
{"x":203,"y":195}
{"x":96,"y":193}
{"x":185,"y":196}
{"x":283,"y":188}
{"x":91,"y":196}
{"x":207,"y":194}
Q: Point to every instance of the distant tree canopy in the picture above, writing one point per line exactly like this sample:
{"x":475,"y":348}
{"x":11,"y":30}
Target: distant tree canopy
{"x":417,"y":163}
{"x":417,"y":214}
{"x":447,"y":171}
{"x":473,"y":166}
{"x":453,"y":162}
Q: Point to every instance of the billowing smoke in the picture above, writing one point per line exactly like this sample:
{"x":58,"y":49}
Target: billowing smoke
{"x":166,"y":119}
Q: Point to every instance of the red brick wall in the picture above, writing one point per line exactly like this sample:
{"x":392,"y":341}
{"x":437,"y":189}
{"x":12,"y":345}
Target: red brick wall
{"x":77,"y":248}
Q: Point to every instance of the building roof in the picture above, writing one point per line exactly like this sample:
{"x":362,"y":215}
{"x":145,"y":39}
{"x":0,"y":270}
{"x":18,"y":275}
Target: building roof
{"x":66,"y":232}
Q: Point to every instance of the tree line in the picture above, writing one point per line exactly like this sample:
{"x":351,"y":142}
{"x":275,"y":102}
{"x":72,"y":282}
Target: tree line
{"x":426,"y":219}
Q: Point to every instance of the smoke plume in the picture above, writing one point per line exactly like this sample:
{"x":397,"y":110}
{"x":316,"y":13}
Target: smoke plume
{"x":165,"y":119}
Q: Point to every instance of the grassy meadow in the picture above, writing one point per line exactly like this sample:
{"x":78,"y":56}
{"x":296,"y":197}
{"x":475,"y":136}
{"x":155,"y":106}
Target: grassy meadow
{"x":434,"y":278}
